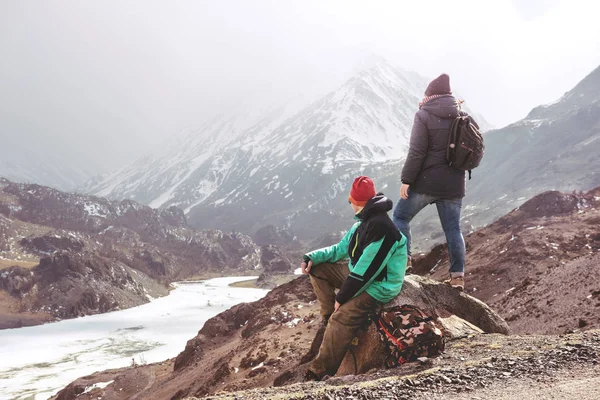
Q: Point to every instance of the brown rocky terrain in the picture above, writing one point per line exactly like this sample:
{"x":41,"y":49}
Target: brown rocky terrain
{"x":538,"y":266}
{"x":66,"y":255}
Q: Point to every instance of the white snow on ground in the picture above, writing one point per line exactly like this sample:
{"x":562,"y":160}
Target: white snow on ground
{"x":258,"y":366}
{"x":293,"y":322}
{"x":36,"y":362}
{"x":98,"y":385}
{"x":94,"y":210}
{"x":590,"y":140}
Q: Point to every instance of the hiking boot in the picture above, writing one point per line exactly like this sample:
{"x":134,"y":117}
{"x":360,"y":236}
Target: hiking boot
{"x":311,"y":376}
{"x":457,"y":282}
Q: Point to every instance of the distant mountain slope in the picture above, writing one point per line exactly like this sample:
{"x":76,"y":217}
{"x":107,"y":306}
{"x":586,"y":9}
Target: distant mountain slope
{"x":556,"y":147}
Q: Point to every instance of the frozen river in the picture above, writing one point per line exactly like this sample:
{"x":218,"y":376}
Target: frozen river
{"x":36,"y":362}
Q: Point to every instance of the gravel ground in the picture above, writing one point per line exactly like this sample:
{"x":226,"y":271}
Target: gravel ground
{"x":519,"y":367}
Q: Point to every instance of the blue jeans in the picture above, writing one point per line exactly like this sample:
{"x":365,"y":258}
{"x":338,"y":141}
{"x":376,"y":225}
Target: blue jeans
{"x":449,"y":212}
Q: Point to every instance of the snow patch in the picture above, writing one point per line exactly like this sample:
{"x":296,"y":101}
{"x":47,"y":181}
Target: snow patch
{"x":98,"y":385}
{"x":293,"y":322}
{"x":94,"y":210}
{"x":258,"y":366}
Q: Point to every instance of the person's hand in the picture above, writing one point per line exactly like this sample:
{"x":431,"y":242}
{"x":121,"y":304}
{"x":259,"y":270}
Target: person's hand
{"x":336,"y":306}
{"x":404,"y":191}
{"x":306,"y":267}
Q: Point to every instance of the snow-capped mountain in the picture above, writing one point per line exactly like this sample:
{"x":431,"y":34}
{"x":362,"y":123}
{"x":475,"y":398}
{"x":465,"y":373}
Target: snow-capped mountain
{"x":283,"y":164}
{"x":152,"y":178}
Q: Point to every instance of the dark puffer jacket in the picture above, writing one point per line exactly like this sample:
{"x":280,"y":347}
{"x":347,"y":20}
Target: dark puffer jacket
{"x":426,"y":169}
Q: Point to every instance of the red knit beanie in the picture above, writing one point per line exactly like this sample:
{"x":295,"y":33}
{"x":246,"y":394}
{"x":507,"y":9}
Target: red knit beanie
{"x":363,"y":189}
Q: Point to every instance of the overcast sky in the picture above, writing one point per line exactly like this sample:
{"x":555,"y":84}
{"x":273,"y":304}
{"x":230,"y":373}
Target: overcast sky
{"x":101,"y":82}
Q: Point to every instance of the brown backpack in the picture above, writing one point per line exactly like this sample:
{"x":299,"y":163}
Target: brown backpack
{"x":465,"y":144}
{"x":408,"y":334}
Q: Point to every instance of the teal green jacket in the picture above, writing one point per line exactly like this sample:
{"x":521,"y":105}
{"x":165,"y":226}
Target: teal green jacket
{"x":376,"y":251}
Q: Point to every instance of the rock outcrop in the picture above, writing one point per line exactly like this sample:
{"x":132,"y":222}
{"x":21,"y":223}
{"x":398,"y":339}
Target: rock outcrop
{"x":68,"y":285}
{"x":275,"y":262}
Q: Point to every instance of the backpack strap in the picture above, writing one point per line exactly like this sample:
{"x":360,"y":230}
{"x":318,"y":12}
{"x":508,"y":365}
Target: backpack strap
{"x":452,"y":140}
{"x":390,"y":336}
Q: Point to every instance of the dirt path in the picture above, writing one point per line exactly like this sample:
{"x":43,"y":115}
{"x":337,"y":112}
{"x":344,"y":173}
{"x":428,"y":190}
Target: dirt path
{"x":577,"y":384}
{"x":151,"y":378}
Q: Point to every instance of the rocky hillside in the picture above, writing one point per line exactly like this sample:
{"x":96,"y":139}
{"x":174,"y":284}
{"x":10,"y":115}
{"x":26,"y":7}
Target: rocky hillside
{"x":52,"y":242}
{"x":538,"y":266}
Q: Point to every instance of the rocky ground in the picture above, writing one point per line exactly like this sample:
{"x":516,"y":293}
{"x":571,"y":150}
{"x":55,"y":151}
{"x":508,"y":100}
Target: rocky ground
{"x":477,"y":367}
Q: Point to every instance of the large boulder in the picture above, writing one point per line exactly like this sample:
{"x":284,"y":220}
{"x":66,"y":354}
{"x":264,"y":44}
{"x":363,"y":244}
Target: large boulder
{"x":457,"y":313}
{"x":275,"y":261}
{"x":16,"y":280}
{"x":52,"y":242}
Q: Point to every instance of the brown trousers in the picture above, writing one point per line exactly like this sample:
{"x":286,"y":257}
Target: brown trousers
{"x":344,"y":323}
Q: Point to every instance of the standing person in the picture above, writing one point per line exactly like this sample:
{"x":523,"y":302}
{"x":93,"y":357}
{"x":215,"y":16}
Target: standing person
{"x":377,"y":261}
{"x":428,"y":179}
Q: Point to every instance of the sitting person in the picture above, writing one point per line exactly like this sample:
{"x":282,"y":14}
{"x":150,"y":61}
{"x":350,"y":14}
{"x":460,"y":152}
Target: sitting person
{"x":374,"y":275}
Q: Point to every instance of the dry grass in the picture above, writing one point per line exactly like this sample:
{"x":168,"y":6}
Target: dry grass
{"x":8,"y":198}
{"x":8,"y":304}
{"x":9,"y":263}
{"x":203,"y":277}
{"x":251,"y":283}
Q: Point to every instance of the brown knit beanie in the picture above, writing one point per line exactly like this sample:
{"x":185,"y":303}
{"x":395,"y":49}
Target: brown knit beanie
{"x":440,"y":85}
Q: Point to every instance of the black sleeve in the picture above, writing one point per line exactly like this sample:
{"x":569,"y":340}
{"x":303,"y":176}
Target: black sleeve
{"x":349,"y":288}
{"x":419,"y":142}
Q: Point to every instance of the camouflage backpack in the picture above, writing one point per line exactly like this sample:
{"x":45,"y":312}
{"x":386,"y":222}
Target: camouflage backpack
{"x":408,"y":334}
